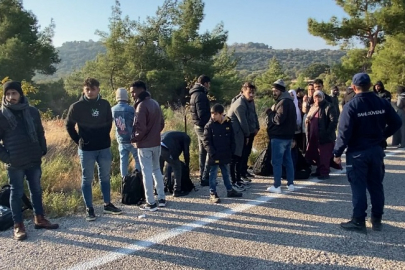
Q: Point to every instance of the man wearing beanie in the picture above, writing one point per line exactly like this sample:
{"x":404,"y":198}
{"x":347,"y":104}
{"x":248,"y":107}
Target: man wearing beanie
{"x":123,"y":115}
{"x":23,"y":146}
{"x":93,"y":117}
{"x":281,"y":126}
{"x":365,"y":123}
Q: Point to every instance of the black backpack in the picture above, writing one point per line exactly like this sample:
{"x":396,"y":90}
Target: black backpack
{"x":262,"y":164}
{"x":132,"y":191}
{"x":5,"y":198}
{"x":6,"y":218}
{"x":186,"y":183}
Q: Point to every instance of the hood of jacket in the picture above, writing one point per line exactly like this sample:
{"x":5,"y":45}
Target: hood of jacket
{"x":380,"y":84}
{"x":284,"y":95}
{"x":198,"y":87}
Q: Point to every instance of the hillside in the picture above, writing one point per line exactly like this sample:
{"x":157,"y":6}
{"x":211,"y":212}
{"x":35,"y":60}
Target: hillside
{"x":253,"y":57}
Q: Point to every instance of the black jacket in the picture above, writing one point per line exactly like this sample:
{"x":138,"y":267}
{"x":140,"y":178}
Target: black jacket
{"x":17,"y":149}
{"x":382,"y":93}
{"x":219,"y":142}
{"x":94,"y":121}
{"x":282,"y":120}
{"x":327,"y":123}
{"x":199,"y":105}
{"x":177,"y":142}
{"x":348,"y":96}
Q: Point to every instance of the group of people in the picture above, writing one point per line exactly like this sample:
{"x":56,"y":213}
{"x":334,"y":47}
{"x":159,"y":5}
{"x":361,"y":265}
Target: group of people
{"x":225,"y":142}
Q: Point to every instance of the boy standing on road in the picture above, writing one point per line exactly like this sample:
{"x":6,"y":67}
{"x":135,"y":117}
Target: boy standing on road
{"x":92,"y":114}
{"x":219,"y":143}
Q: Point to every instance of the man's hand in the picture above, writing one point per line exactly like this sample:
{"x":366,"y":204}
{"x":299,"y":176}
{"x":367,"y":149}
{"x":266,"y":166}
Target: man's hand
{"x":305,"y":98}
{"x":337,"y":160}
{"x":247,"y":141}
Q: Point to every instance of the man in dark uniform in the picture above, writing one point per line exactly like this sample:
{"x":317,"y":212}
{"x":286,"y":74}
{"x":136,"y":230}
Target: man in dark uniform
{"x":365,"y":123}
{"x":173,"y":144}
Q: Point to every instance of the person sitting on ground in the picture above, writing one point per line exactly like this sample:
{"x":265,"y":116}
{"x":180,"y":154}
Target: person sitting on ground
{"x":321,"y":124}
{"x":173,"y":143}
{"x":23,"y":145}
{"x":220,"y":144}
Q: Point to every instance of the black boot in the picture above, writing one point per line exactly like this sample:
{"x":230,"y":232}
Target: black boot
{"x":354,"y":225}
{"x":376,"y":224}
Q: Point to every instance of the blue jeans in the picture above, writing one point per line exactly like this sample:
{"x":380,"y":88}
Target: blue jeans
{"x":281,"y":155}
{"x":225,"y":176}
{"x":203,"y":156}
{"x":33,"y":176}
{"x":87,"y":161}
{"x":150,"y":167}
{"x":125,"y":149}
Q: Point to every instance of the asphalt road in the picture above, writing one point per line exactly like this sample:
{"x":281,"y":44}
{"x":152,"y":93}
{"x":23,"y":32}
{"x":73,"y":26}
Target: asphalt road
{"x":296,"y":230}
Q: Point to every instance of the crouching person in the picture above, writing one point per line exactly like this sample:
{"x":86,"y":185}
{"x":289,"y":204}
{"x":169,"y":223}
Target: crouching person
{"x":219,"y":143}
{"x":23,"y":146}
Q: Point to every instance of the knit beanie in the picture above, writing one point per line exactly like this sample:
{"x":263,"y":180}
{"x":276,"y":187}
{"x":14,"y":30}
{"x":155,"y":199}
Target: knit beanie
{"x":12,"y":85}
{"x":121,"y":94}
{"x":279,"y":85}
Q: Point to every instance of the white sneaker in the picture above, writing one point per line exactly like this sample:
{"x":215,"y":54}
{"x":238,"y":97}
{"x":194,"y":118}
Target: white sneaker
{"x":273,"y":189}
{"x":291,"y":187}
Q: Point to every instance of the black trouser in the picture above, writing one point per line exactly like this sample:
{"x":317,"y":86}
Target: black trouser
{"x":203,"y":156}
{"x":235,"y":169}
{"x":301,"y":141}
{"x":247,"y":149}
{"x":174,"y":163}
{"x":365,"y":171}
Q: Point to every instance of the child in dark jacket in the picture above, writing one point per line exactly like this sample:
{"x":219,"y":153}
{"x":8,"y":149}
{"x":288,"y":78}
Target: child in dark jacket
{"x":219,"y":143}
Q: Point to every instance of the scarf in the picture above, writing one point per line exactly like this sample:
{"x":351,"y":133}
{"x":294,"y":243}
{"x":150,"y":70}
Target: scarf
{"x":297,"y":108}
{"x":23,"y":106}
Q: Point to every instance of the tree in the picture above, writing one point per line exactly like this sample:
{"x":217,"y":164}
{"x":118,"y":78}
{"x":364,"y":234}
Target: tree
{"x":300,"y":82}
{"x":315,"y":69}
{"x":389,"y":62}
{"x":24,"y":50}
{"x":354,"y":62}
{"x":265,"y":81}
{"x":369,"y":22}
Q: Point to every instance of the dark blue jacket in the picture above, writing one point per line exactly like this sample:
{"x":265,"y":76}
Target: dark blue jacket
{"x":123,"y":116}
{"x":365,"y":121}
{"x":219,"y":141}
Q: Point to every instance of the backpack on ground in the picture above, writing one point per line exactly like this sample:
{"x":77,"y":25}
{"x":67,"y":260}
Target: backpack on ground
{"x":186,"y":183}
{"x":6,"y":218}
{"x":262,"y":165}
{"x":5,"y":198}
{"x":132,"y":191}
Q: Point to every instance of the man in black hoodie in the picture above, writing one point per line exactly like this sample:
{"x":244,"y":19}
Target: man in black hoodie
{"x":200,"y":114}
{"x":93,"y":116}
{"x":348,"y":96}
{"x":281,"y":126}
{"x":381,"y":92}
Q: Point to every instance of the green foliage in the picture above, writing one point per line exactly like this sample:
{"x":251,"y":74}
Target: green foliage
{"x":315,"y":69}
{"x":355,"y":61}
{"x":24,"y":49}
{"x":369,"y":22}
{"x":299,"y":83}
{"x":389,"y":62}
{"x":264,"y":82}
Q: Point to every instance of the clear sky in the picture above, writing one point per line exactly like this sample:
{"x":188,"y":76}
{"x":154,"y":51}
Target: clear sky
{"x":281,"y":24}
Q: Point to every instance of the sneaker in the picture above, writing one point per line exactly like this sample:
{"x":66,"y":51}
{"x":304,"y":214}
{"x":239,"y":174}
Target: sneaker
{"x":376,"y":224}
{"x":162,"y":203}
{"x":240,"y":186}
{"x":273,"y":189}
{"x":291,"y":187}
{"x":233,"y":194}
{"x":246,"y":179}
{"x":90,"y":216}
{"x":236,"y":188}
{"x":354,"y":225}
{"x":148,"y":207}
{"x":111,"y":209}
{"x":324,"y":177}
{"x":214,"y":198}
{"x":180,"y":193}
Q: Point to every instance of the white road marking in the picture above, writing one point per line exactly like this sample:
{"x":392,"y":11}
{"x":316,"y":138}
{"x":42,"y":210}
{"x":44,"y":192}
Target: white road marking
{"x":144,"y":244}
